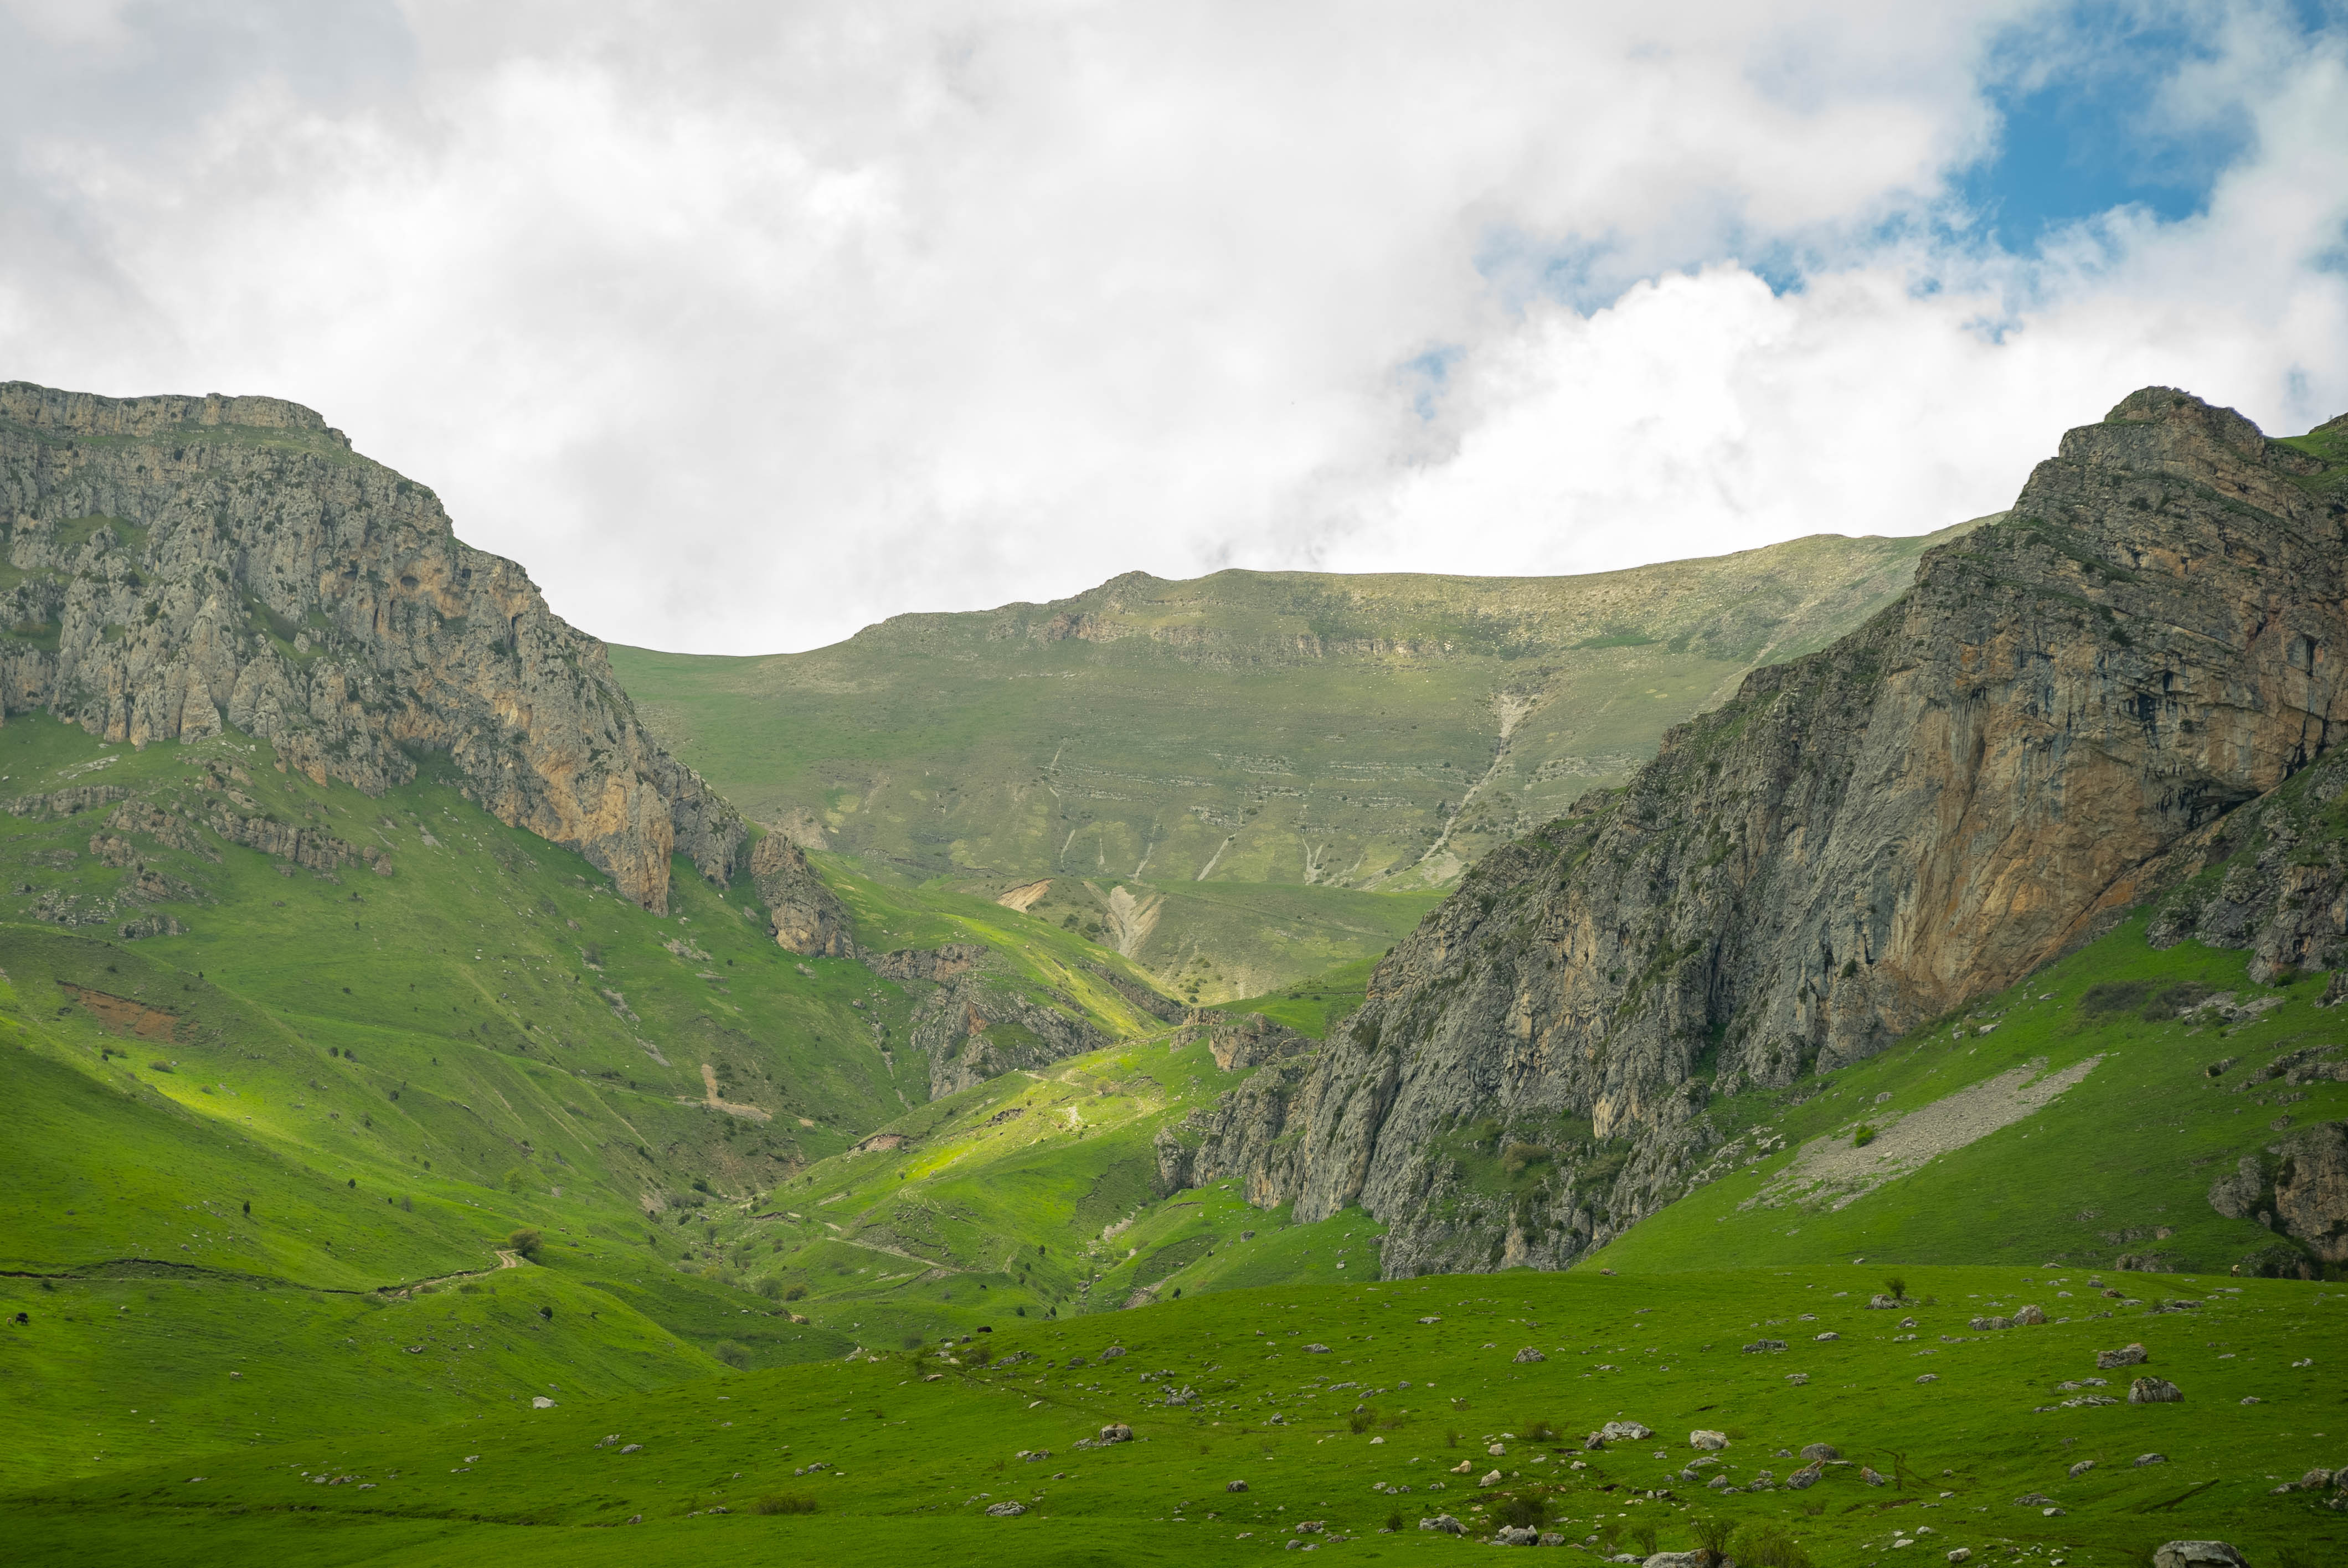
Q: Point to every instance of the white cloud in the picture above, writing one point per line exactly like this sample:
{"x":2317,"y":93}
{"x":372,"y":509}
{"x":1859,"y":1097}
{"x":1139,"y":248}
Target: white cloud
{"x":741,"y":328}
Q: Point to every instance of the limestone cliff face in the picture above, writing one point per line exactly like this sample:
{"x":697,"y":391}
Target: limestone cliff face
{"x":1982,"y":776}
{"x":975,"y":1027}
{"x":804,"y":915}
{"x":186,"y":563}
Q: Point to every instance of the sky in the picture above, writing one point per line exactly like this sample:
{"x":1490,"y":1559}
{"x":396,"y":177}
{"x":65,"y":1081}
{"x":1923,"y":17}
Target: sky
{"x":744,"y":325}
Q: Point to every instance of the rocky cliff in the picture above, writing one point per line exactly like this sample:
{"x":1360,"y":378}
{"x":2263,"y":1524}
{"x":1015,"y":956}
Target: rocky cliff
{"x":181,"y":564}
{"x":1987,"y":773}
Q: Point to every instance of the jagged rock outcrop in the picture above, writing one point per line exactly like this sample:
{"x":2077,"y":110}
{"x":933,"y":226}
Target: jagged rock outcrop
{"x":2298,"y":1187}
{"x":940,"y":963}
{"x":192,"y":563}
{"x":803,"y":915}
{"x":975,"y":1027}
{"x":1157,"y":1004}
{"x":2272,"y":878}
{"x":1240,"y":1040}
{"x":1986,"y":774}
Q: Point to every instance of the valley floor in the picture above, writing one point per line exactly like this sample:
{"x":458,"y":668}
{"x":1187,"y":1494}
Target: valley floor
{"x":1351,"y":1413}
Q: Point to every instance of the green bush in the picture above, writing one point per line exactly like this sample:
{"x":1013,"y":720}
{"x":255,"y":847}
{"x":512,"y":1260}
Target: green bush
{"x":795,"y":1293}
{"x":1525,"y":1511}
{"x":733,"y":1355}
{"x":1361,"y":1421}
{"x":1862,"y":1137}
{"x":1766,"y":1544}
{"x":527,"y":1243}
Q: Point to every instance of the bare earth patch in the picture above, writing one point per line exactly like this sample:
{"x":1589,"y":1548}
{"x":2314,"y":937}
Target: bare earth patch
{"x":1830,"y":1172}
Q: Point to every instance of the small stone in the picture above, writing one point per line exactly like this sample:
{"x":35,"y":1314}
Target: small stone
{"x":1497,"y":1450}
{"x":1005,"y":1509}
{"x":1316,"y":1349}
{"x":2142,"y":1460}
{"x":1444,"y":1523}
{"x":540,"y":1402}
{"x":1805,"y":1478}
{"x":2082,"y":1468}
{"x":1866,"y":1473}
{"x":1829,"y":1335}
{"x":1490,"y":1478}
{"x":1961,"y":1554}
{"x":1529,"y":1354}
{"x":1512,"y":1536}
{"x":2028,"y":1316}
{"x":1707,"y":1440}
{"x":1930,"y":1378}
{"x":2247,"y":1398}
{"x":634,"y":1448}
{"x":2197,"y":1554}
{"x":1818,"y":1453}
{"x":1235,"y":1486}
{"x":1117,"y":1432}
{"x":1112,"y":1352}
{"x":2154,"y":1391}
{"x":1624,"y":1432}
{"x":2130,"y":1355}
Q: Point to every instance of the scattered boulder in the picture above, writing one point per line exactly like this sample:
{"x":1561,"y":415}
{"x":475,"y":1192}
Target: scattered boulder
{"x":1818,"y":1453}
{"x":1490,"y":1478}
{"x":1989,"y":1325}
{"x":1883,"y":1304}
{"x":1235,"y":1486}
{"x":1444,"y":1523}
{"x":2143,"y":1460}
{"x":1759,"y":1347}
{"x":2154,"y":1391}
{"x":1005,"y":1509}
{"x":634,"y":1448}
{"x":2028,"y":1316}
{"x":2082,"y":1468}
{"x":1807,"y":1477}
{"x":1515,"y":1535}
{"x":1711,"y":1441}
{"x":1829,"y":1335}
{"x":1496,"y":1450}
{"x":1530,"y":1354}
{"x":2197,"y":1554}
{"x":1316,"y":1349}
{"x":1624,"y":1432}
{"x":1961,"y":1554}
{"x":1117,"y":1432}
{"x":2129,"y":1355}
{"x":1866,"y":1473}
{"x":1112,"y":1352}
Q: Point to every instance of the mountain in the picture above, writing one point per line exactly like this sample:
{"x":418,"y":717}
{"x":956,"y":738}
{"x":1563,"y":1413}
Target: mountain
{"x":1210,"y":775}
{"x":181,"y":566}
{"x":2054,"y":724}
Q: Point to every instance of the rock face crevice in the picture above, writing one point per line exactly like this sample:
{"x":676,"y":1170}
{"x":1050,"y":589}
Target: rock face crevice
{"x":1988,"y":773}
{"x":184,"y":564}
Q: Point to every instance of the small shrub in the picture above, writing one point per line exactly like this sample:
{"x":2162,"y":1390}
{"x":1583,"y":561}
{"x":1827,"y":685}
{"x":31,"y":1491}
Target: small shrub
{"x":1862,"y":1137}
{"x":795,"y":1293}
{"x":770,"y":1288}
{"x":1451,"y":1439}
{"x":1361,"y":1421}
{"x":527,"y":1243}
{"x":732,"y":1355}
{"x":1540,"y":1432}
{"x":1897,"y":1287}
{"x":547,"y":1313}
{"x":1525,"y":1511}
{"x":1393,"y":1518}
{"x":1767,"y":1544}
{"x":1520,"y":1155}
{"x":1712,"y":1537}
{"x":1644,"y":1534}
{"x":774,"y":1503}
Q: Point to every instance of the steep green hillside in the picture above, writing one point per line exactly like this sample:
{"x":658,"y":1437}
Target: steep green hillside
{"x":2114,"y":1170}
{"x":1184,"y":739}
{"x":1341,"y":1416}
{"x":359,"y":1063}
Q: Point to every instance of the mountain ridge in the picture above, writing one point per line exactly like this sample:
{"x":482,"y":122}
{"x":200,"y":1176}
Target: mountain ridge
{"x":1986,"y":775}
{"x":180,"y":565}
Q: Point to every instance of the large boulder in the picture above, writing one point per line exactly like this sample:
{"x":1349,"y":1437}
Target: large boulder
{"x":2197,"y":1554}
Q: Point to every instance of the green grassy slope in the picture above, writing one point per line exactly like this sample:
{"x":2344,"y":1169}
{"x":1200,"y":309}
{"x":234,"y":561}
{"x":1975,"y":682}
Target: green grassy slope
{"x":2119,"y":1163}
{"x":1303,"y":730}
{"x":337,"y":1084}
{"x":897,"y":1456}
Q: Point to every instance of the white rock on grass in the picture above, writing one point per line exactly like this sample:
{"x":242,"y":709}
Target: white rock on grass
{"x":1709,"y":1440}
